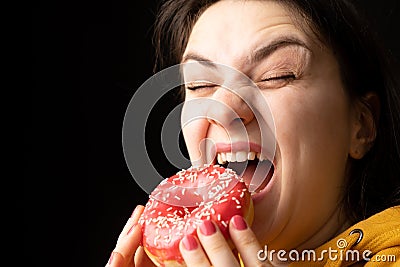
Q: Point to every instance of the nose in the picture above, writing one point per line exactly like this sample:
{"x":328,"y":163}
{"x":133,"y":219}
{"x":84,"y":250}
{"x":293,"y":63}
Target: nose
{"x":228,"y":108}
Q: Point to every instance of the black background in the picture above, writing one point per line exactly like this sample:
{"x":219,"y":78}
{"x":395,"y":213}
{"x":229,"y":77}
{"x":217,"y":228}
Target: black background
{"x":89,"y":57}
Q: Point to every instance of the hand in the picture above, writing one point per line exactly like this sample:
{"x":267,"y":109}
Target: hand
{"x":128,"y":252}
{"x":215,"y":251}
{"x":210,"y":249}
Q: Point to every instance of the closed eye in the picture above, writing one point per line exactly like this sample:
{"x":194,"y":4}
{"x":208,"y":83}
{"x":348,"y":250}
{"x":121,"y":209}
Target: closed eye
{"x":198,"y":85}
{"x":277,"y":80}
{"x":289,"y":76}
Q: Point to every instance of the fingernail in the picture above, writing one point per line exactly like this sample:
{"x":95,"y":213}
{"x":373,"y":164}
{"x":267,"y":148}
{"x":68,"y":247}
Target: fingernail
{"x":111,"y":258}
{"x":189,"y":242}
{"x":239,"y":223}
{"x":130,"y":229}
{"x":135,"y":211}
{"x":207,"y":228}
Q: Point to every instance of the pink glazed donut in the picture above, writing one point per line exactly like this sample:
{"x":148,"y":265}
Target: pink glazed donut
{"x":177,"y":206}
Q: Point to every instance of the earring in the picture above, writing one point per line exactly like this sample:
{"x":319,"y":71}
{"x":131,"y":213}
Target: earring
{"x":356,"y":154}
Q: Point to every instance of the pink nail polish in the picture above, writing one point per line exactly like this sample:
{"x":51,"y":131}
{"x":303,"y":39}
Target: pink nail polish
{"x":111,"y":258}
{"x":189,"y":242}
{"x":239,"y":223}
{"x":130,"y":229}
{"x":207,"y":228}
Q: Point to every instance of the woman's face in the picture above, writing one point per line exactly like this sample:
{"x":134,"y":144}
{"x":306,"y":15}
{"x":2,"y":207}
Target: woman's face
{"x":299,"y":80}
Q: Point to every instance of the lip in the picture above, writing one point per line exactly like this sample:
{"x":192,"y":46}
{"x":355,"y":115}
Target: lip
{"x":258,"y":197}
{"x":261,"y":195}
{"x":238,"y":146}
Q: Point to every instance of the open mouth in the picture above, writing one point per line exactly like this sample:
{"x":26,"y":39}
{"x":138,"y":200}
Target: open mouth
{"x":255,"y":169}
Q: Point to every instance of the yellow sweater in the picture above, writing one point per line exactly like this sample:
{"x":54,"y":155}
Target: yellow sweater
{"x":373,"y":242}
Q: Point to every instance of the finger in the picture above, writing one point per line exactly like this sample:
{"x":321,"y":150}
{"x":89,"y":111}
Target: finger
{"x":126,"y":247}
{"x":245,"y":241}
{"x":117,"y":260}
{"x":128,"y":241}
{"x":192,"y":252}
{"x":131,"y":221}
{"x":215,"y":245}
{"x":141,"y":258}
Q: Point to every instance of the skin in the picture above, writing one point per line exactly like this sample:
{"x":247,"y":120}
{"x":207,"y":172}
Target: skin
{"x":312,"y":117}
{"x":316,"y":129}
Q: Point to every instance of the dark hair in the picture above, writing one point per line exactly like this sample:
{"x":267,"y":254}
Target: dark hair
{"x":374,"y":180}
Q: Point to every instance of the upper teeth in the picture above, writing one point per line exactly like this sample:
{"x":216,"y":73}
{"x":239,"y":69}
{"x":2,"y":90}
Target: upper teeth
{"x":239,"y":156}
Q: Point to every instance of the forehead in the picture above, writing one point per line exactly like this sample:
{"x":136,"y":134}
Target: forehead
{"x":228,"y":30}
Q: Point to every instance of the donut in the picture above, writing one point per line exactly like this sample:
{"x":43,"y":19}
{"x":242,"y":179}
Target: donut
{"x":179,"y":204}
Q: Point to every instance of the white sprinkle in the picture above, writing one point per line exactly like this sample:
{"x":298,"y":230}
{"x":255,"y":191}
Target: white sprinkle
{"x":178,"y":198}
{"x":236,"y":200}
{"x":224,"y":223}
{"x":155,"y":239}
{"x":195,"y":210}
{"x":170,"y":208}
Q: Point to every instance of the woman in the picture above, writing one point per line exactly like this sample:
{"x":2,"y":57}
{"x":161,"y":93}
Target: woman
{"x":336,"y":165}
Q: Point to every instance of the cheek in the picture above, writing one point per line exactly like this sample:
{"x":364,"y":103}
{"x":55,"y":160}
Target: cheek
{"x":310,"y":122}
{"x":312,"y":136}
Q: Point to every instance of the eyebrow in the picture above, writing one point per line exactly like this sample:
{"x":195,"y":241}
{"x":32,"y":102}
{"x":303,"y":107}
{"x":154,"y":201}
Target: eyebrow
{"x":265,"y":51}
{"x":256,"y":56}
{"x":199,"y":58}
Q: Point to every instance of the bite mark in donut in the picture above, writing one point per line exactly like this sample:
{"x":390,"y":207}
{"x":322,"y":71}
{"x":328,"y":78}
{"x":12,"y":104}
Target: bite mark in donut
{"x":179,"y":204}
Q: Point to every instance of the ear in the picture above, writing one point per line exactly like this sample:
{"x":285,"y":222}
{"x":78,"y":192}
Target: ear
{"x":366,"y":115}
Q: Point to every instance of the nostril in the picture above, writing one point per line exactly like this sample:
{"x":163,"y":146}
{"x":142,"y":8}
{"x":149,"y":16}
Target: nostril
{"x":227,"y":122}
{"x":212,"y":121}
{"x":238,"y":120}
